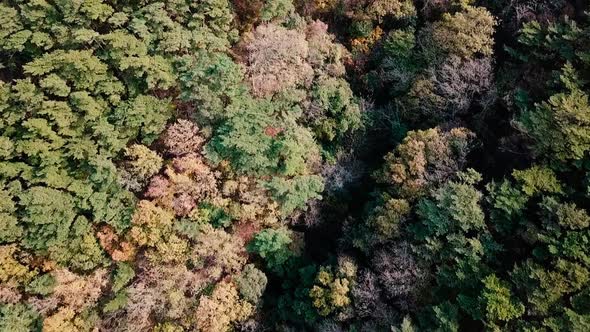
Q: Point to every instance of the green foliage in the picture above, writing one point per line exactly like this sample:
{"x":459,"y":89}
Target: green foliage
{"x":87,"y":87}
{"x":400,"y":63}
{"x":498,"y":301}
{"x":361,"y":28}
{"x":339,"y":112}
{"x":550,"y":41}
{"x":88,"y":74}
{"x":330,"y":292}
{"x":455,"y":239}
{"x":406,"y":326}
{"x":506,"y":197}
{"x":41,"y":285}
{"x":143,"y":117}
{"x":54,"y":229}
{"x":465,"y":33}
{"x":18,"y":318}
{"x":139,"y":166}
{"x":581,"y":301}
{"x":571,"y":217}
{"x":10,"y":230}
{"x":243,"y":141}
{"x":446,"y":317}
{"x":117,"y":303}
{"x":455,"y":208}
{"x":251,"y":283}
{"x":388,"y":217}
{"x":211,"y":214}
{"x":509,"y":200}
{"x":122,"y":276}
{"x":557,"y":266}
{"x":279,"y":9}
{"x":544,"y":293}
{"x":399,"y":44}
{"x":83,"y":250}
{"x":273,"y":246}
{"x":256,"y":141}
{"x":537,"y":180}
{"x":48,"y":215}
{"x":294,"y":305}
{"x":424,"y":160}
{"x":295,"y":192}
{"x":559,"y":126}
{"x":189,"y":228}
{"x":213,"y":81}
{"x":570,"y":321}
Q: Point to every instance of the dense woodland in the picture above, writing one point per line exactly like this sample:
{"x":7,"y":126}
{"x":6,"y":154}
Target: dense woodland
{"x":294,"y":165}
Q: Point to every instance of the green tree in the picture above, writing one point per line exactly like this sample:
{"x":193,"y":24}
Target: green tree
{"x":10,"y":230}
{"x":498,"y":302}
{"x":122,"y":276}
{"x":140,"y":164}
{"x":213,"y":81}
{"x":18,"y":318}
{"x":257,"y":141}
{"x":295,"y":192}
{"x":251,"y":283}
{"x":425,"y":159}
{"x":465,"y":33}
{"x":330,"y":292}
{"x":276,"y":9}
{"x":560,"y":126}
{"x":273,"y":245}
{"x":457,"y":243}
{"x":338,"y":111}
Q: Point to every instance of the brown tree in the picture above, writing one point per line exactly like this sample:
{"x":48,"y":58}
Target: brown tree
{"x":276,"y":60}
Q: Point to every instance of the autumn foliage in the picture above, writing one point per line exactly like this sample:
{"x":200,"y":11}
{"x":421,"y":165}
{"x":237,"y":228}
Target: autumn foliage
{"x":281,"y":165}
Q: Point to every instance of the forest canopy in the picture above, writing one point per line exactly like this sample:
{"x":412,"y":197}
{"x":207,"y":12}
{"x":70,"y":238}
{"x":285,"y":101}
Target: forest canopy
{"x":290,"y":165}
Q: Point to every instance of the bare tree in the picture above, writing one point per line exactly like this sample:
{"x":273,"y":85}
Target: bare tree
{"x":399,"y":274}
